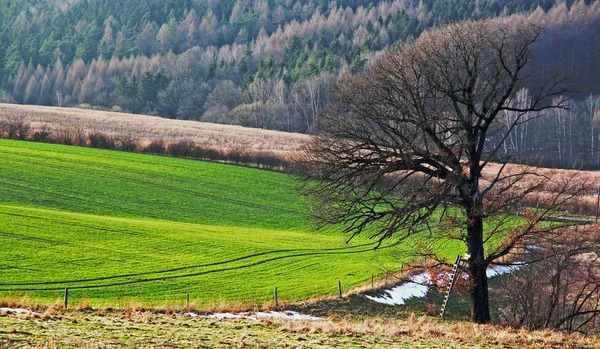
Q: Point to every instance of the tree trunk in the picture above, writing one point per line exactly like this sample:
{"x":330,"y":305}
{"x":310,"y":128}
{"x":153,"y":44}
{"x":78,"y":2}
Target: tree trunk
{"x":480,"y":306}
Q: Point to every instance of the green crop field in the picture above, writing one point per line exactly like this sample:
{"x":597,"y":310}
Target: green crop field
{"x":119,"y":227}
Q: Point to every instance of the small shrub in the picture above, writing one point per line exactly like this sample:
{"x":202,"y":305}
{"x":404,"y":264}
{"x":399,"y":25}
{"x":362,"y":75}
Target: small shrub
{"x":182,"y":149}
{"x":235,"y":155}
{"x":23,"y":129}
{"x":15,"y":128}
{"x":157,"y":146}
{"x":70,"y":136}
{"x":101,"y":140}
{"x":84,"y":106}
{"x":42,"y":135}
{"x":208,"y":153}
{"x":129,"y":144}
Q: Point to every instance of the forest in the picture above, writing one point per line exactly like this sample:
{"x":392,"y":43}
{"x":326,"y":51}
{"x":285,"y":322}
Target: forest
{"x":271,"y":63}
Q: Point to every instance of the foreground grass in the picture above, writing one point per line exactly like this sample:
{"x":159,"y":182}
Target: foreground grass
{"x":130,"y":328}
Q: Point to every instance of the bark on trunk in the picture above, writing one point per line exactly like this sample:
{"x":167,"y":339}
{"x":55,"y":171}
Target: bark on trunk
{"x":480,"y":306}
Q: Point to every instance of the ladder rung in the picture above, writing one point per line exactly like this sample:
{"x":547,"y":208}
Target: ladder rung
{"x":457,"y":265}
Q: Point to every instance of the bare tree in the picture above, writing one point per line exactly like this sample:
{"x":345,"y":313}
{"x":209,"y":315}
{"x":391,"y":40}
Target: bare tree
{"x":402,"y":148}
{"x":560,"y":285}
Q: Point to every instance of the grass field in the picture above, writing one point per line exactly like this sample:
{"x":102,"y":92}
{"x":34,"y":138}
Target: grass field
{"x":118,"y":227}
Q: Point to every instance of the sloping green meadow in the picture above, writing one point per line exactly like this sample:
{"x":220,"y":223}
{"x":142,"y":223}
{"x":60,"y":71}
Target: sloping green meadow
{"x":116,"y":227}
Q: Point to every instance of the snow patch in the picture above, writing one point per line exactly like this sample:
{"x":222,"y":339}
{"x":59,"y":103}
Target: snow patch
{"x":15,"y":310}
{"x":501,"y":269}
{"x":416,"y":288}
{"x":289,"y":315}
{"x":419,"y":285}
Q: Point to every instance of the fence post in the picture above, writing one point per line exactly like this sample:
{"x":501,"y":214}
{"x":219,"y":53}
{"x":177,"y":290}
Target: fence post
{"x":275,"y":296}
{"x":66,"y":298}
{"x":340,"y":288}
{"x":187,"y":301}
{"x":372,"y":280}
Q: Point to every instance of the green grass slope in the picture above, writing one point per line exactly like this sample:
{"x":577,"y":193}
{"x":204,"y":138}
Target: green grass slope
{"x":117,"y":227}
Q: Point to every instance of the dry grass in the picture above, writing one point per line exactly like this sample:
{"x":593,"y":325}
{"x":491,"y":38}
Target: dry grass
{"x":147,"y":128}
{"x":22,"y":302}
{"x":133,"y":328}
{"x":555,"y":181}
{"x":428,"y":328}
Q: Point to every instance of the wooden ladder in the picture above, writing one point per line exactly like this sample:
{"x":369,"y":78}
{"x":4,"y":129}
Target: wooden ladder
{"x":456,"y":271}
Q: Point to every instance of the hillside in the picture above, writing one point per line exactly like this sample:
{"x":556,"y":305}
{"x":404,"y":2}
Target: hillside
{"x":264,"y":64}
{"x":272,"y":64}
{"x":117,"y":227}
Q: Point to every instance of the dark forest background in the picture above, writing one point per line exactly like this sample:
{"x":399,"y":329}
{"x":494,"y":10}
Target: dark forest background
{"x":270,"y":63}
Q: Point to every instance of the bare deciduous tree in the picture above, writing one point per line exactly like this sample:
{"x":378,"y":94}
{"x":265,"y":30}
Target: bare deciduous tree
{"x":560,"y":287}
{"x":401,"y":150}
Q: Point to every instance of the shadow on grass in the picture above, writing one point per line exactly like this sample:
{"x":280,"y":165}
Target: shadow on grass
{"x":358,"y":305}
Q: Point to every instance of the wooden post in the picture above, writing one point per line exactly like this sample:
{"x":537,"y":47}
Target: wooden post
{"x":275,"y":296}
{"x":340,"y":288}
{"x":187,"y":301}
{"x":386,"y":274}
{"x":597,"y":204}
{"x":66,"y":298}
{"x":372,"y":280}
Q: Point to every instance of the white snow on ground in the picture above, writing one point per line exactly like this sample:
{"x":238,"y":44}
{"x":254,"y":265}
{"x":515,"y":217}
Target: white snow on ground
{"x":418,"y":286}
{"x":501,"y":269}
{"x":290,"y":315}
{"x":398,"y":294}
{"x":15,"y":310}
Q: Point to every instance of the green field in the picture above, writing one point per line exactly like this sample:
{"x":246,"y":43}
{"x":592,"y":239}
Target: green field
{"x":118,"y":227}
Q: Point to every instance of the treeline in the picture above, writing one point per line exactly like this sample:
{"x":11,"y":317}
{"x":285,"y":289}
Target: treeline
{"x":279,"y":73}
{"x":563,"y":138}
{"x":20,"y":129}
{"x":256,"y":63}
{"x":44,"y":30}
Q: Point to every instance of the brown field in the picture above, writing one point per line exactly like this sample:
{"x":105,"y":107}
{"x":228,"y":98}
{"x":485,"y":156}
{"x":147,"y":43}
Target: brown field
{"x":148,"y":128}
{"x":585,"y":183}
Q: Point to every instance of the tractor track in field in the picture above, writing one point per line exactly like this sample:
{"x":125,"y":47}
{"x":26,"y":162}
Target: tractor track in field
{"x":77,"y":198}
{"x":173,"y":277}
{"x":294,"y":253}
{"x":325,"y":250}
{"x":12,"y":235}
{"x":184,"y":184}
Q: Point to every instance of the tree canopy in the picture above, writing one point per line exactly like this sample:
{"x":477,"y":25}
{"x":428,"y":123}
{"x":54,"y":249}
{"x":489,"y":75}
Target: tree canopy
{"x":402,"y":149}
